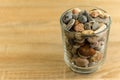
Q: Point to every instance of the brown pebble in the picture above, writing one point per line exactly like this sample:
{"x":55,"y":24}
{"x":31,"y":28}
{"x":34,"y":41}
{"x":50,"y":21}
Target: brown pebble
{"x":94,"y":14}
{"x":76,"y":11}
{"x":97,"y":57}
{"x":79,"y":27}
{"x":86,"y":51}
{"x":76,"y":22}
{"x":81,"y":62}
{"x":92,"y":39}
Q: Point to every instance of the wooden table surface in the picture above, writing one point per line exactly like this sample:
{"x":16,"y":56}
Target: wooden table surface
{"x":31,"y":44}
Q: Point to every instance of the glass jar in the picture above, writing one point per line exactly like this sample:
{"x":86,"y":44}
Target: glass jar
{"x":84,"y":53}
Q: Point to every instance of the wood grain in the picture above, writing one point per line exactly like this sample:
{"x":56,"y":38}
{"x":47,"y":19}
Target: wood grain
{"x":31,"y":44}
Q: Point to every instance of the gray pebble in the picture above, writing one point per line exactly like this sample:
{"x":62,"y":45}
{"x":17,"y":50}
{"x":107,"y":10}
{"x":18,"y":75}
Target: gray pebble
{"x":82,"y":18}
{"x":95,"y":26}
{"x":66,"y":18}
{"x":75,"y":16}
{"x":70,"y":24}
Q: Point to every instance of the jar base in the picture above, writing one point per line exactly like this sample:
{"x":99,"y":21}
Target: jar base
{"x":83,"y":70}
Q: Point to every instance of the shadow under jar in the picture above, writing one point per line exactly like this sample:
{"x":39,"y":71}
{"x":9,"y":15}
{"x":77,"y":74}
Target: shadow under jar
{"x":85,"y":32}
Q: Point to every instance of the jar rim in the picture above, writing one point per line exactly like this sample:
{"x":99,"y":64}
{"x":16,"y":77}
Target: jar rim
{"x":63,"y":24}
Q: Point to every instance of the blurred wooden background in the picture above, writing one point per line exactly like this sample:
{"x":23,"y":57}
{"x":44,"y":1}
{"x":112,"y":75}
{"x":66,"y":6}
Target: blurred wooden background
{"x":31,"y":43}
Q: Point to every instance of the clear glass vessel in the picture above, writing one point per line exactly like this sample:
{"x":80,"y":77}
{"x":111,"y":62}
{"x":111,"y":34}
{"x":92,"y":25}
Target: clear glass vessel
{"x":75,"y":45}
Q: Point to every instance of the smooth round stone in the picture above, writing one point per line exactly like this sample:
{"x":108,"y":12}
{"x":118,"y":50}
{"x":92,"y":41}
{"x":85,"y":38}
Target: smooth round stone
{"x":70,"y":24}
{"x":81,"y":62}
{"x":67,"y":17}
{"x":92,"y":39}
{"x":82,"y":18}
{"x":95,"y":13}
{"x":97,"y":57}
{"x":76,"y":11}
{"x":95,"y":26}
{"x":79,"y":27}
{"x":86,"y":51}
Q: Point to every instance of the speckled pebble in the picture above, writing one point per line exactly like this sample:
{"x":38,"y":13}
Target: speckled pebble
{"x":70,"y":24}
{"x":95,"y":26}
{"x":79,"y":27}
{"x":67,"y":17}
{"x":97,"y":57}
{"x":82,"y":18}
{"x":86,"y":51}
{"x":92,"y":39}
{"x":94,"y":14}
{"x":81,"y":62}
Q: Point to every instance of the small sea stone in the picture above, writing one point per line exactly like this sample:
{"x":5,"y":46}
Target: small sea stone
{"x":95,"y":13}
{"x":97,"y":57}
{"x":82,"y":18}
{"x":95,"y":26}
{"x":76,"y":11}
{"x":92,"y":39}
{"x":79,"y":27}
{"x":81,"y":62}
{"x":67,"y":17}
{"x":86,"y":51}
{"x":70,"y":24}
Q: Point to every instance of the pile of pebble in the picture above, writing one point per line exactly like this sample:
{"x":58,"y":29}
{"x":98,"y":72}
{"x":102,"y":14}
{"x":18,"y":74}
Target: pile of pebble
{"x":85,"y":35}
